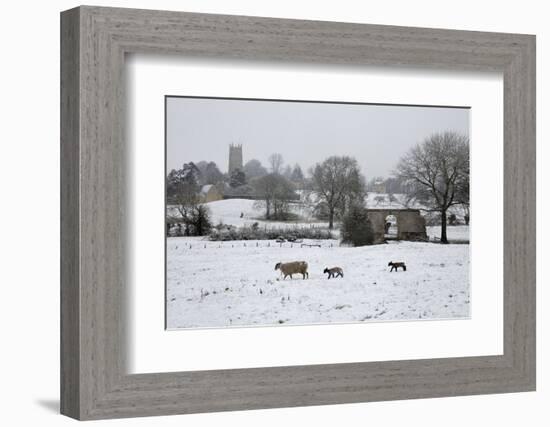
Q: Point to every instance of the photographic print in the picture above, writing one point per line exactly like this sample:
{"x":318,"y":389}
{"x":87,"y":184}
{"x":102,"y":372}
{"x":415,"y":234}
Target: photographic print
{"x":287,"y":212}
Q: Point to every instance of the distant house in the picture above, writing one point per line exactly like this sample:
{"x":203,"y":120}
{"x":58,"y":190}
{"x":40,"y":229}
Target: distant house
{"x":379,"y":186}
{"x":210,"y":193}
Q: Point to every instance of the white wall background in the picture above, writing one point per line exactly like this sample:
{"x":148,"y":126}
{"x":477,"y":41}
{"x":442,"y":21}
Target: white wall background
{"x":29,"y":211}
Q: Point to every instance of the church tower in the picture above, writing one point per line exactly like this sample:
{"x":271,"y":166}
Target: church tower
{"x":235,"y":157}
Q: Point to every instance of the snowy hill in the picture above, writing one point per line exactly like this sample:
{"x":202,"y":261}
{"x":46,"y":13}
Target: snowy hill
{"x":229,"y":211}
{"x":241,"y":212}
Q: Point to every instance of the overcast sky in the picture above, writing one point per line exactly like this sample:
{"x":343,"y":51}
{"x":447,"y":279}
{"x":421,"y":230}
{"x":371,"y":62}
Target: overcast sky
{"x":304,"y":133}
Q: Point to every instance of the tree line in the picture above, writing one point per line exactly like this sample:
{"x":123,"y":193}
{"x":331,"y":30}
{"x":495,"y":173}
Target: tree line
{"x":434,"y":174}
{"x":207,"y":173}
{"x":274,"y":186}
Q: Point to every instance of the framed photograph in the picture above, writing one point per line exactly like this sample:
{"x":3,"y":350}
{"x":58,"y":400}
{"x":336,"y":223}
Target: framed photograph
{"x":262,"y":213}
{"x":229,"y":225}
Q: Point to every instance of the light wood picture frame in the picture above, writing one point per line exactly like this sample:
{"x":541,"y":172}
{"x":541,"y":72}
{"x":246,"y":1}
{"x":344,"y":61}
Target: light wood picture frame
{"x":94,"y":379}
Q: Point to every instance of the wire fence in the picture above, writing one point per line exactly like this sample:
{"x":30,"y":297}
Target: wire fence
{"x":197,"y":245}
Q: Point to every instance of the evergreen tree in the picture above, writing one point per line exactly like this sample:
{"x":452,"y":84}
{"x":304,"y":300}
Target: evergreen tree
{"x":184,"y":181}
{"x":356,"y":227}
{"x":199,"y":220}
{"x":237,"y":178}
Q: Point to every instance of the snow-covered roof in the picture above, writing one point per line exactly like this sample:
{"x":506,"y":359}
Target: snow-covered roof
{"x":206,"y":188}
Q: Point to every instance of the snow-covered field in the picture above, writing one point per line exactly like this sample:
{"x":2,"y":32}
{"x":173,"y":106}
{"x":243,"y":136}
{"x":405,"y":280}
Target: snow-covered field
{"x":455,"y":232}
{"x":229,"y":212}
{"x":243,"y":212}
{"x":218,"y":284}
{"x":240,"y":212}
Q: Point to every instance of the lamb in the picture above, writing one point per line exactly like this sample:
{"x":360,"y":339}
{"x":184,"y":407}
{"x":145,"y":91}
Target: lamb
{"x":334,"y":272}
{"x":290,"y":268}
{"x":396,"y":265}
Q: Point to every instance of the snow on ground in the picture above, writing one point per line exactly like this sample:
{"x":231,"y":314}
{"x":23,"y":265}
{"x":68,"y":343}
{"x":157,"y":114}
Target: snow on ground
{"x":229,"y":212}
{"x":454,"y":232}
{"x":385,"y":201}
{"x":218,"y":284}
{"x":245,"y":212}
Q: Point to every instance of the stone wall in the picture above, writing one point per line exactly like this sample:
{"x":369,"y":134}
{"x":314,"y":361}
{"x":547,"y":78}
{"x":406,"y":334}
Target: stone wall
{"x":410,"y":224}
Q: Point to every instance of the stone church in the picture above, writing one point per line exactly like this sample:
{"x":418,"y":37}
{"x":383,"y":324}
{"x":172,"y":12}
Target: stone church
{"x":235,"y":158}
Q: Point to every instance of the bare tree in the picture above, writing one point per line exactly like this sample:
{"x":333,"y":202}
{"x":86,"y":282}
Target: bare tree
{"x":186,"y":199}
{"x":463,"y":198}
{"x":338,"y":182}
{"x":437,"y":173}
{"x":275,"y":191}
{"x":276,"y":163}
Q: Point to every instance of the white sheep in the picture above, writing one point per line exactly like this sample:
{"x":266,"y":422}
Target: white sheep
{"x":290,"y":268}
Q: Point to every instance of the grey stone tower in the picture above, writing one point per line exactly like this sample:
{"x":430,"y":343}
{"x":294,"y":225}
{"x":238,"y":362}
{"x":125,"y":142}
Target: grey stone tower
{"x":235,"y":157}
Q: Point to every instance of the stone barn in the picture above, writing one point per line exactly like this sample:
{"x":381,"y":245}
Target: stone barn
{"x":409,"y":223}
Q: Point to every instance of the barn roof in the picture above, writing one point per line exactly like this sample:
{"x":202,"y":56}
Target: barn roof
{"x":206,"y":188}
